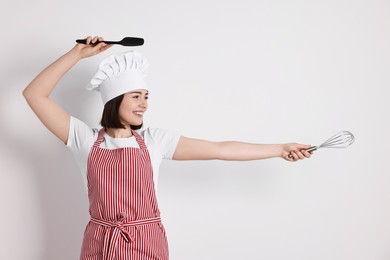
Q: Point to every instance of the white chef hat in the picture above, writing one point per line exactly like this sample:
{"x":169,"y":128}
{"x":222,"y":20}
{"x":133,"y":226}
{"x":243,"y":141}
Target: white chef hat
{"x":120,"y":73}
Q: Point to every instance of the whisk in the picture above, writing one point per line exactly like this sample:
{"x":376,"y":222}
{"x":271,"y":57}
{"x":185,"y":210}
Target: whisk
{"x":342,"y":139}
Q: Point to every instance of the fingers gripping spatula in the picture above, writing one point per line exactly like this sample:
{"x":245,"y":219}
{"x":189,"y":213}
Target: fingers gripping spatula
{"x":127,"y":41}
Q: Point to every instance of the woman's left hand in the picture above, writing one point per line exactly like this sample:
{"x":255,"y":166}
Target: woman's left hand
{"x":297,"y":151}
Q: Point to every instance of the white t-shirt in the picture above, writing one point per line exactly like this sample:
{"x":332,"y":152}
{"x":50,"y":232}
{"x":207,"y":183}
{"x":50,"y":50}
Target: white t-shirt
{"x":161,"y":144}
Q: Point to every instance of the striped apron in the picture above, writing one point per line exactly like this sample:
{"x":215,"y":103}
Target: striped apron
{"x":125,"y":219}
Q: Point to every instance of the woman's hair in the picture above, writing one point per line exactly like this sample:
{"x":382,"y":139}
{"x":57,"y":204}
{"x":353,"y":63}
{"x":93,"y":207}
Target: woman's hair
{"x":110,"y":116}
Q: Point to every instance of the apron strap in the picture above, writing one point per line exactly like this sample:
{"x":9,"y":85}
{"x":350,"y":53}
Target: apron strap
{"x":100,"y":138}
{"x":141,"y":142}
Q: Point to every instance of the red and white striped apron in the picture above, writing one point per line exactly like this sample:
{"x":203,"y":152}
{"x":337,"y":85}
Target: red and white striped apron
{"x":125,"y":219}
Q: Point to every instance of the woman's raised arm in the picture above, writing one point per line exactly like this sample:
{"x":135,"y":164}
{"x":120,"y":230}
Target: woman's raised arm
{"x":37,"y":93}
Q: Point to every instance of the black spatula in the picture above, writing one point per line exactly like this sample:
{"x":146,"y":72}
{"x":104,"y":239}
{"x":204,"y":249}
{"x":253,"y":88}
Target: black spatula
{"x":127,"y":41}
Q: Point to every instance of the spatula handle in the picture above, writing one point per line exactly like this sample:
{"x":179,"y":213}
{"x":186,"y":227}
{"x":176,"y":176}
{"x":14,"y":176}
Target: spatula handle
{"x":83,"y":41}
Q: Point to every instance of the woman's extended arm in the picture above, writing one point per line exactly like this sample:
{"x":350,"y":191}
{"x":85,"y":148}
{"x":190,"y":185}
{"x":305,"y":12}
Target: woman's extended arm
{"x":54,"y":117}
{"x":195,"y":149}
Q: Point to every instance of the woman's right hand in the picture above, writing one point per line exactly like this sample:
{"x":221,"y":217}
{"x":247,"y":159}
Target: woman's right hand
{"x":88,"y":50}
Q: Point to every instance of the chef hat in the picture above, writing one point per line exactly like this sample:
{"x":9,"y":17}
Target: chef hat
{"x":120,"y":73}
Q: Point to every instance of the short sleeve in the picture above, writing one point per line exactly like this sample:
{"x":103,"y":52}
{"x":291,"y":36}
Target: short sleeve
{"x":166,"y":141}
{"x":79,"y":133}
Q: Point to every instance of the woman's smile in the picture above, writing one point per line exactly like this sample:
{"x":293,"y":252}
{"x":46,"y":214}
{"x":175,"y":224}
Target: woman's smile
{"x":138,"y":113}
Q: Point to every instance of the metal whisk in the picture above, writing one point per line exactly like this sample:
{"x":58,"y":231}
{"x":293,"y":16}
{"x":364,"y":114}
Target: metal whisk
{"x":342,"y":139}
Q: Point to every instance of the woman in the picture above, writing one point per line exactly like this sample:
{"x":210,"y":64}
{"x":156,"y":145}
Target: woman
{"x":121,"y":164}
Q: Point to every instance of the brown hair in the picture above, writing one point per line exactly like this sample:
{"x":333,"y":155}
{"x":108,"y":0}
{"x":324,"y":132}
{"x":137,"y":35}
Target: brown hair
{"x":110,"y":116}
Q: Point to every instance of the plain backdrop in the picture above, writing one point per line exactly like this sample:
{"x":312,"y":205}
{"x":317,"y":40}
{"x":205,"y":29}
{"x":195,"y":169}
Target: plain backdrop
{"x":250,"y":71}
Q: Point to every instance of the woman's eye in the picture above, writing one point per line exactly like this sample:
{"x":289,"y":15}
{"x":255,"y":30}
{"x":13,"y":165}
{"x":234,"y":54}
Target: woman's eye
{"x":138,"y":96}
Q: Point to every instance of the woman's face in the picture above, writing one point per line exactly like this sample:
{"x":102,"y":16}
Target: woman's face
{"x":133,"y":106}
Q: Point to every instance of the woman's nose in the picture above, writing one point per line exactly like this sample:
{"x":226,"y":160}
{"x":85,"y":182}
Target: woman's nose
{"x":144,"y":103}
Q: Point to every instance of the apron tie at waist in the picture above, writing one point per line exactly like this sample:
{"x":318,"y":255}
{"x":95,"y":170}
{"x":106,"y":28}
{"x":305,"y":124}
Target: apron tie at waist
{"x":111,"y":238}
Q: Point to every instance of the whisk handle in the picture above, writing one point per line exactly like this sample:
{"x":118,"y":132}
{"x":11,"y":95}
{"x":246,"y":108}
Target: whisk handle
{"x":313,"y":148}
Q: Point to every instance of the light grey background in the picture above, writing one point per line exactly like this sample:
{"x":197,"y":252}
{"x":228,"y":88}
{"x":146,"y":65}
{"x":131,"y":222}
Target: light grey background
{"x":251,"y":71}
